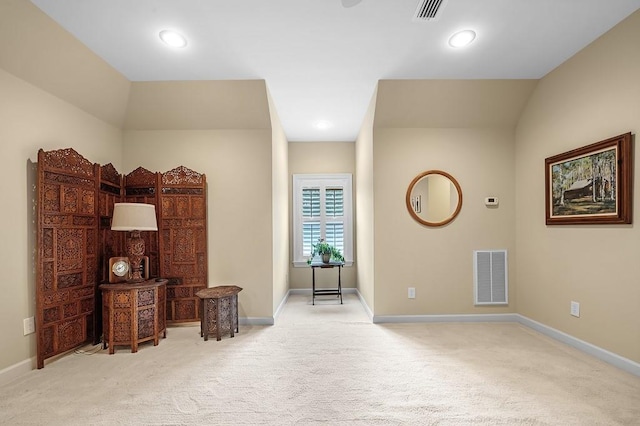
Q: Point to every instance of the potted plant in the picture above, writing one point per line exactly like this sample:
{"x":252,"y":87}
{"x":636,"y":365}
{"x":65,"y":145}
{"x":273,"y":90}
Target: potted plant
{"x":326,"y":251}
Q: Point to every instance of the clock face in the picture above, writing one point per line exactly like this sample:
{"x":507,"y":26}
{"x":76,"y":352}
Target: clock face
{"x":120,"y":268}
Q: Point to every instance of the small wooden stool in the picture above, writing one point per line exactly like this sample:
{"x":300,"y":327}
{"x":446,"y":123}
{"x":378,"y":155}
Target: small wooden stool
{"x":219,"y":310}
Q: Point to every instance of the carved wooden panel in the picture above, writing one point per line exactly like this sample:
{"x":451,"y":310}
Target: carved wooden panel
{"x":183,"y":241}
{"x":227,"y":315}
{"x":133,"y":313}
{"x":110,"y":243}
{"x":140,"y":186}
{"x":67,"y":252}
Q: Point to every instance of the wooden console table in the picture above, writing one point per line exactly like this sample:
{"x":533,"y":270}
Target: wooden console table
{"x":325,"y":291}
{"x":133,"y":313}
{"x":219,"y":310}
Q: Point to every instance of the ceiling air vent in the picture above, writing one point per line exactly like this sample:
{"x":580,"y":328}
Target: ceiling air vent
{"x":428,"y":10}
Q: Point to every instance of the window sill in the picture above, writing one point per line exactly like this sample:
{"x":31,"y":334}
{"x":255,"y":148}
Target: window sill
{"x":304,"y":264}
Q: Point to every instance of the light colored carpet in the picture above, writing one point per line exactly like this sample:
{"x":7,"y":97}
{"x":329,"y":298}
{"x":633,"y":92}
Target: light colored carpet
{"x":328,"y":364}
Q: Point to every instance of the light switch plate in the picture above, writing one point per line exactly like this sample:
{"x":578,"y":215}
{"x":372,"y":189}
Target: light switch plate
{"x":28,"y":326}
{"x":575,"y":309}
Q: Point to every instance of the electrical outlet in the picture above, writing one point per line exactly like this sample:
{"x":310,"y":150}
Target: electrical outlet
{"x":412,"y":292}
{"x":575,"y":309}
{"x":28,"y":325}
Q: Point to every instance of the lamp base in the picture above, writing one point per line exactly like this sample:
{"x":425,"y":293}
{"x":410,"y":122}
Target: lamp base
{"x":135,"y":251}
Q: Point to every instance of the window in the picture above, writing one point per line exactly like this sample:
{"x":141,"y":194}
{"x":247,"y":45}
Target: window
{"x":322,"y":210}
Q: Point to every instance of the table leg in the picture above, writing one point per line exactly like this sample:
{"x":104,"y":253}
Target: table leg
{"x":232,"y":327}
{"x":201,"y":308}
{"x":218,"y":331}
{"x":112,"y":347}
{"x":313,"y":285}
{"x":340,"y":283}
{"x":134,"y":326}
{"x":236,"y":313}
{"x":205,"y":319}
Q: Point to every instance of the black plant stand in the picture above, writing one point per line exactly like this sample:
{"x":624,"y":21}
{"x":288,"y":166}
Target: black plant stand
{"x":326,"y":291}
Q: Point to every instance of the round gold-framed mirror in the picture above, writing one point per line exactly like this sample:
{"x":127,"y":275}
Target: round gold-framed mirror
{"x":434,"y":198}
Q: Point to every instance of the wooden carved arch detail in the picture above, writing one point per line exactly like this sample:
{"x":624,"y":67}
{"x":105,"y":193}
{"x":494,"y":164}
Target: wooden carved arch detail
{"x":67,"y":161}
{"x":141,"y":177}
{"x":108,"y":173}
{"x":182,"y":176}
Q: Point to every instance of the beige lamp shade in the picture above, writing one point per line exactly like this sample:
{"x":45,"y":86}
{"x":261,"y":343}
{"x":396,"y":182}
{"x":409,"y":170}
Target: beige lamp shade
{"x":134,"y":217}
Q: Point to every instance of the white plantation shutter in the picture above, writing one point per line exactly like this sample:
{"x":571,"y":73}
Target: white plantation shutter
{"x":310,"y":218}
{"x":310,"y":202}
{"x":334,"y":210}
{"x":310,"y":235}
{"x":334,"y":199}
{"x":322,"y":210}
{"x":334,"y":235}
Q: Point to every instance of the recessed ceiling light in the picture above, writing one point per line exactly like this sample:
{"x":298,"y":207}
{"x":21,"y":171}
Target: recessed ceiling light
{"x":323,"y":124}
{"x":173,"y":38}
{"x":462,"y":38}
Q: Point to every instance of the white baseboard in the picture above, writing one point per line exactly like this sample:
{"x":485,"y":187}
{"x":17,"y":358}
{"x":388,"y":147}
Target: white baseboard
{"x":271,"y":320}
{"x":281,"y":305}
{"x":298,"y":291}
{"x":379,"y":319}
{"x":16,"y":370}
{"x":256,"y":320}
{"x":366,"y":307}
{"x":593,"y":350}
{"x":348,"y":290}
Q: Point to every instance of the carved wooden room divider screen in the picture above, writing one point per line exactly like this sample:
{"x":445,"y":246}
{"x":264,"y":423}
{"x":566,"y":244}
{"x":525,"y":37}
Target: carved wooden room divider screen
{"x":67,"y":252}
{"x":183,"y":241}
{"x":75,"y":242}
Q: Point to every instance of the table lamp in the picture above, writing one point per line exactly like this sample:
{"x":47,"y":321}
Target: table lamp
{"x":134,"y":217}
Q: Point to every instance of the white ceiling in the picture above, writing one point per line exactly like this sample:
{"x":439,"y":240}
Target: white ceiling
{"x":322,"y":60}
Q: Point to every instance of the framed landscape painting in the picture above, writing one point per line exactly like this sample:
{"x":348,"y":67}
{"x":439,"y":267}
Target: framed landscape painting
{"x":590,"y":185}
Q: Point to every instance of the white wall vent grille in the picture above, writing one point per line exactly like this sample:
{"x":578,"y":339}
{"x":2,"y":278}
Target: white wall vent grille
{"x":428,"y":10}
{"x":490,"y":277}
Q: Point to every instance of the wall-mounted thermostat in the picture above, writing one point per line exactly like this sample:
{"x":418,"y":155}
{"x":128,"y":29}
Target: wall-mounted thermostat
{"x":491,"y":201}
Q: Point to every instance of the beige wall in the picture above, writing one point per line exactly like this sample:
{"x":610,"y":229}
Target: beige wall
{"x":280,"y":200}
{"x":239,"y":203}
{"x":36,"y":49}
{"x":188,"y":105}
{"x":467,"y":129}
{"x":242,"y":155}
{"x":593,"y":96}
{"x":33,"y":119}
{"x":438,"y":262}
{"x":365,"y":208}
{"x":320,"y":157}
